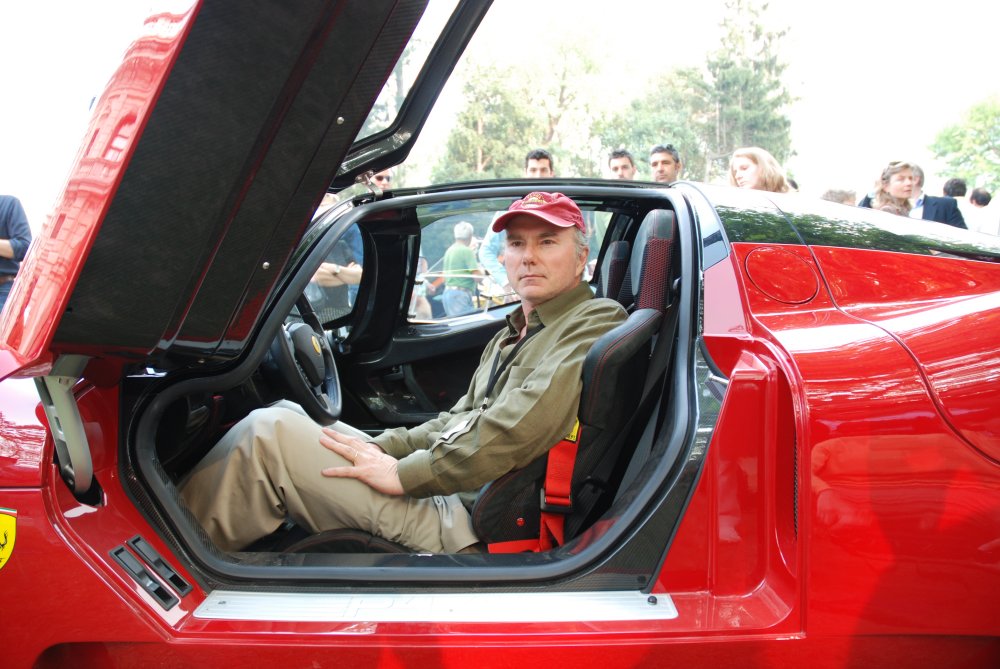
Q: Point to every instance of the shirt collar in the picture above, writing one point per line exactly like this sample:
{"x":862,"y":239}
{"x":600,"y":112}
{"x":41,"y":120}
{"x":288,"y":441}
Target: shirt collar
{"x":549,"y":311}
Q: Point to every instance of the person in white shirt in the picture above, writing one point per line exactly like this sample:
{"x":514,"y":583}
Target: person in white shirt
{"x":983,"y":218}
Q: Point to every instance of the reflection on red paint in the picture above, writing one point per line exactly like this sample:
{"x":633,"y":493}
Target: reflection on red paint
{"x":53,"y":264}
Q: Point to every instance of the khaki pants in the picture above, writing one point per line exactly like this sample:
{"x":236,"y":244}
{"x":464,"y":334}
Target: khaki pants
{"x":267,"y":468}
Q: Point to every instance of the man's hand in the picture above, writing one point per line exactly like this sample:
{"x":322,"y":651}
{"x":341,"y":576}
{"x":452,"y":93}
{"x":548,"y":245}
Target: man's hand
{"x":371,"y":464}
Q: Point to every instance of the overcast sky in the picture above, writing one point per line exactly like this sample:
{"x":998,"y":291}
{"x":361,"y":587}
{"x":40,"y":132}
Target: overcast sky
{"x":875,"y":80}
{"x":55,"y":58}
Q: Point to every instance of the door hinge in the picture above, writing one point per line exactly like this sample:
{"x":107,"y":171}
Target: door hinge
{"x":65,"y":424}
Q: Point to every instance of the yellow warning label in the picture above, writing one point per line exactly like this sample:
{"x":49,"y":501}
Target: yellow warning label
{"x":574,"y":433}
{"x":8,"y":527}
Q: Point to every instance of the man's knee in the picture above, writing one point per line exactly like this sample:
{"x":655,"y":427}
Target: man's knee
{"x":279,"y":421}
{"x":266,"y":435}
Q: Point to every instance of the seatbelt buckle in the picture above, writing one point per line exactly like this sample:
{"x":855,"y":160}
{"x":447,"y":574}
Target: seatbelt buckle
{"x":557,"y":504}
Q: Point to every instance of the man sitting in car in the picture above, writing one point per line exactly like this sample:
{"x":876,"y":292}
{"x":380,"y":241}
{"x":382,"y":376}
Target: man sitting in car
{"x":415,"y":486}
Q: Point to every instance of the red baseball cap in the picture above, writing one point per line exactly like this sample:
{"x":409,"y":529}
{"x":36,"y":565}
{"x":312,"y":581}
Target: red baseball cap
{"x":554,"y":208}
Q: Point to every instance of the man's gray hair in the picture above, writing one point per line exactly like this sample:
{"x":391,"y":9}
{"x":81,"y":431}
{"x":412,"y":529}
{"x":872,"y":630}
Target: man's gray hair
{"x":581,"y":240}
{"x":463,"y":230}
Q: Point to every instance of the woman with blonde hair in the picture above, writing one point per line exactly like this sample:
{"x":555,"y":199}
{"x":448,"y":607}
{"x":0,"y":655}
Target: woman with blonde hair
{"x":753,"y":167}
{"x":893,"y":189}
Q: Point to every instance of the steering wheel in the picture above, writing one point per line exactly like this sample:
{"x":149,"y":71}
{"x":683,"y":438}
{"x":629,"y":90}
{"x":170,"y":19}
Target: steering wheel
{"x":305,"y":363}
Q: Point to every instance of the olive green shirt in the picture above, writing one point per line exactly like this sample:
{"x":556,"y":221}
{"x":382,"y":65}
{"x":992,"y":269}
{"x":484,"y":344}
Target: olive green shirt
{"x":531,"y":407}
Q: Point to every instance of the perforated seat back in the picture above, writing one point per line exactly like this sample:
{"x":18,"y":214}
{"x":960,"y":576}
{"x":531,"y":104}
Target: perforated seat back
{"x":650,"y":262}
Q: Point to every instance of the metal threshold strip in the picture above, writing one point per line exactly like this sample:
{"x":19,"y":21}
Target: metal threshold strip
{"x":474,"y":607}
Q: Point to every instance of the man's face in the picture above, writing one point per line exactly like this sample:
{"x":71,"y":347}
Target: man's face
{"x":542,"y":260}
{"x":539,"y":169}
{"x":622,"y":168}
{"x":901,"y":184}
{"x":665,"y":168}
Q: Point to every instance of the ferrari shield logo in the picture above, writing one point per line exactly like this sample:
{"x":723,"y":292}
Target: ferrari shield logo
{"x":8,"y":525}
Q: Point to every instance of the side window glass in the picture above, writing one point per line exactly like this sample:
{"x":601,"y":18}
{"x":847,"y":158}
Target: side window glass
{"x":460,"y":271}
{"x":597,"y":226}
{"x":383,"y":113}
{"x":333,"y":289}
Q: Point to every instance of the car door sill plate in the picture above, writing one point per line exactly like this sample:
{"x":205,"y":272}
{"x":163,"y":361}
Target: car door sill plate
{"x":474,"y":607}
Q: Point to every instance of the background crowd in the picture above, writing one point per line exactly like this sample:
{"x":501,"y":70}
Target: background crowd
{"x":899,"y":189}
{"x":470,"y":261}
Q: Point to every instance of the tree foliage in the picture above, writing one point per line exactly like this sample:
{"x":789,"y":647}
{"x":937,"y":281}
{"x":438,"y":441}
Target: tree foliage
{"x":509,"y":112}
{"x":737,"y":99}
{"x":561,"y":93}
{"x":971,"y":148}
{"x":667,"y":114}
{"x":492,"y":131}
{"x":746,"y":94}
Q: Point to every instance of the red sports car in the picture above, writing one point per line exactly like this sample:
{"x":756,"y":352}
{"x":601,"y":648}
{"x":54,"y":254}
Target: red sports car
{"x":789,"y":453}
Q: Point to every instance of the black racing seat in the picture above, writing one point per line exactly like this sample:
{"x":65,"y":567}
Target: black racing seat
{"x":612,"y":274}
{"x":509,"y":511}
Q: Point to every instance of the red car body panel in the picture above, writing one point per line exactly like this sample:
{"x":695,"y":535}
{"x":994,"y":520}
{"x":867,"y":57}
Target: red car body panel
{"x":886,"y":469}
{"x":945,"y":319}
{"x":22,"y":435}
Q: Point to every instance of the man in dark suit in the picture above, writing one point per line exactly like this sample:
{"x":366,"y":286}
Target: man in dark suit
{"x":928,"y":207}
{"x":940,"y":209}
